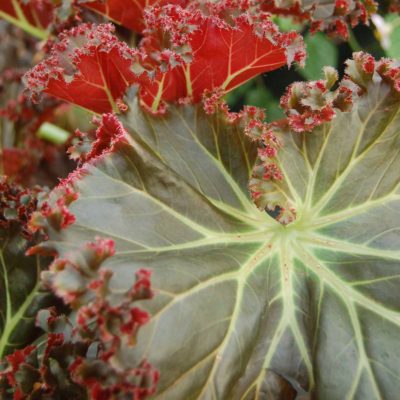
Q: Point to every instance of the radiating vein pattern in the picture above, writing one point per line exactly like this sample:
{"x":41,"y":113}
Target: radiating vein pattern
{"x":246,"y":308}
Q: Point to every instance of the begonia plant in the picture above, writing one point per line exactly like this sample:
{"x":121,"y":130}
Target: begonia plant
{"x":177,"y":248}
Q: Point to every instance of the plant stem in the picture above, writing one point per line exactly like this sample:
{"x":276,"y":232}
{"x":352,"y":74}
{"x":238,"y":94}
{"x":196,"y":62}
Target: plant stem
{"x":26,"y":26}
{"x":53,"y":133}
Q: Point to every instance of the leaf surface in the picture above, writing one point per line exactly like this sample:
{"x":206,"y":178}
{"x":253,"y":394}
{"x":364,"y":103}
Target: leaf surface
{"x":223,"y":57}
{"x":91,"y":59}
{"x":20,"y":293}
{"x":87,"y":60}
{"x":246,"y":307}
{"x":326,"y":15}
{"x":126,"y":13}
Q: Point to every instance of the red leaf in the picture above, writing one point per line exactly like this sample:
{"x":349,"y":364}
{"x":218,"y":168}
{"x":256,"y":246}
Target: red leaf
{"x":126,"y":13}
{"x":109,"y":131}
{"x":223,"y":55}
{"x":205,"y":53}
{"x":93,"y":75}
{"x":15,"y":360}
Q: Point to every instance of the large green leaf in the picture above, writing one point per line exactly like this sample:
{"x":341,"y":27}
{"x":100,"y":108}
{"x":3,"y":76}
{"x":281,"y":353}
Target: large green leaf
{"x":21,"y":295}
{"x":247,"y":308}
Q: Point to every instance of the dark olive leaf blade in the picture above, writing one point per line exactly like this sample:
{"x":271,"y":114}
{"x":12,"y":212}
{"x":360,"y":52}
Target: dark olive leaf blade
{"x":21,"y":294}
{"x":246,"y":307}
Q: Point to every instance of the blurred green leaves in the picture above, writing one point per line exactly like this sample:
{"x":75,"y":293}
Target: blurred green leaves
{"x":393,"y":35}
{"x":286,"y":24}
{"x":321,"y":51}
{"x":260,"y":96}
{"x":255,"y":93}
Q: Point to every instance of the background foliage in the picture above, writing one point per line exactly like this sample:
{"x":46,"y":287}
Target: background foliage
{"x":272,"y":246}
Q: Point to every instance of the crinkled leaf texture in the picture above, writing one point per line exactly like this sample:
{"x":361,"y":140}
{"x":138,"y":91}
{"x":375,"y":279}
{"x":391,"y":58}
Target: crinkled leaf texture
{"x":320,"y":10}
{"x":90,"y":59}
{"x":323,"y":9}
{"x":129,"y":14}
{"x":330,"y":15}
{"x":21,"y":295}
{"x":246,"y":307}
{"x":223,"y":57}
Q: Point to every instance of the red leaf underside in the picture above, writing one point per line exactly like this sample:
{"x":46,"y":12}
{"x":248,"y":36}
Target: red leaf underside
{"x":127,"y":13}
{"x":223,"y":57}
{"x":93,"y":75}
